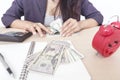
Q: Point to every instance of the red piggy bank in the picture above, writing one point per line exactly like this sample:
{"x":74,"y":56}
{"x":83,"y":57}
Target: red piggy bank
{"x":107,"y":40}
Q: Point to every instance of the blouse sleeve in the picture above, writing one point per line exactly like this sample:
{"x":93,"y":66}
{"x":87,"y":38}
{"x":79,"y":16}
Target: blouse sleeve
{"x":14,"y":12}
{"x":89,"y":11}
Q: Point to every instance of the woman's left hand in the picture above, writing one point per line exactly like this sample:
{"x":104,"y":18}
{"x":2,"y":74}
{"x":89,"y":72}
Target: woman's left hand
{"x":69,"y":27}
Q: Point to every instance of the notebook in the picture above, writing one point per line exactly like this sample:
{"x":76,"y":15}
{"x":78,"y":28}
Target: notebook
{"x":16,"y":54}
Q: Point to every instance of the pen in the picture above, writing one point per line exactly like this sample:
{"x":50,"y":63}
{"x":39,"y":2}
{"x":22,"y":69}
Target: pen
{"x":6,"y":65}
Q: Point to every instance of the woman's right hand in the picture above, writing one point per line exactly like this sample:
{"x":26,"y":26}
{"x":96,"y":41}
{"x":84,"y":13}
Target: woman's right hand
{"x":38,"y":28}
{"x":31,"y":27}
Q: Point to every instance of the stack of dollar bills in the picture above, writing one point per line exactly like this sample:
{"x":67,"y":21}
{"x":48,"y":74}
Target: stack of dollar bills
{"x":54,"y":54}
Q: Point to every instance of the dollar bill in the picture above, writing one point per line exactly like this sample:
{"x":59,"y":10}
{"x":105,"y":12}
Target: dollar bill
{"x":70,"y":53}
{"x":49,"y":59}
{"x":55,"y":53}
{"x":55,"y":26}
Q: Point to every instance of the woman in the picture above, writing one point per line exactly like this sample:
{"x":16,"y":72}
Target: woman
{"x":38,"y":13}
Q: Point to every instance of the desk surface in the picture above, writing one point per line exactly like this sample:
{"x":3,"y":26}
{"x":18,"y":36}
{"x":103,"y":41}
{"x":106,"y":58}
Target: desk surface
{"x":100,"y":68}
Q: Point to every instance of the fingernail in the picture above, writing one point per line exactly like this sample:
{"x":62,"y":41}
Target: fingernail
{"x":63,"y":35}
{"x":41,"y":35}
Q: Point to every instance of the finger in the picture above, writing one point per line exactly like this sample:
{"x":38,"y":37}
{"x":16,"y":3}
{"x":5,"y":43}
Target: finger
{"x":31,"y":29}
{"x":69,"y":32}
{"x":44,"y":28}
{"x":66,"y":23}
{"x":43,"y":32}
{"x":38,"y":29}
{"x":70,"y":22}
{"x":69,"y":27}
{"x":64,"y":29}
{"x":64,"y":26}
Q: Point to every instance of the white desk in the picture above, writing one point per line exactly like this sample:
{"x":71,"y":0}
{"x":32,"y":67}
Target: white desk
{"x":100,"y":68}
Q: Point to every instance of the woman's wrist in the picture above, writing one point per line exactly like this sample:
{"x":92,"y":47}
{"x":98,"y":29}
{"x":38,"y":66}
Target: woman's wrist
{"x":81,"y":25}
{"x":21,"y":24}
{"x":88,"y":23}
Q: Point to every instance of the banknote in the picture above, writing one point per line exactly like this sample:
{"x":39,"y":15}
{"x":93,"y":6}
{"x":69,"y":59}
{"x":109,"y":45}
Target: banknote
{"x":70,"y":53}
{"x":49,"y":58}
{"x":54,"y":54}
{"x":55,"y":26}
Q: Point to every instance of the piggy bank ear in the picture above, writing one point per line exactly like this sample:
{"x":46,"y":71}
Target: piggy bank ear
{"x":116,"y":24}
{"x":106,"y":30}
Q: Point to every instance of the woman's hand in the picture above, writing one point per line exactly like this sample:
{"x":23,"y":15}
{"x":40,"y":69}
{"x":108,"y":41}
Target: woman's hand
{"x":72,"y":25}
{"x":31,"y":26}
{"x":40,"y":28}
{"x":69,"y":27}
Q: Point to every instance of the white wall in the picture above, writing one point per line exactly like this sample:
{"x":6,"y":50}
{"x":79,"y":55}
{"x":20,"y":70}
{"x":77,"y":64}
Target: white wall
{"x":4,"y":5}
{"x":107,"y":7}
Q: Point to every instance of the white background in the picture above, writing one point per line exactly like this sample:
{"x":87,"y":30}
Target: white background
{"x":107,"y":7}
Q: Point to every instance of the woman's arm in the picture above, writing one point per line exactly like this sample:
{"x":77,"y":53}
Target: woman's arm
{"x":88,"y":23}
{"x":12,"y":18}
{"x":89,"y":11}
{"x":13,"y":13}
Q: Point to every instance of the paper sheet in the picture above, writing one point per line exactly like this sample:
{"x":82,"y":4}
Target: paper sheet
{"x":15,"y":55}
